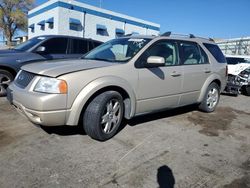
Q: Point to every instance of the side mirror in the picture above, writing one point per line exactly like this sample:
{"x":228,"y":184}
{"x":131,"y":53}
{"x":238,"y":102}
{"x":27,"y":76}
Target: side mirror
{"x":41,"y":49}
{"x":156,"y":61}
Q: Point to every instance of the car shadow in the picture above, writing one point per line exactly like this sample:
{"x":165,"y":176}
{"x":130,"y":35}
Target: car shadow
{"x":160,"y":115}
{"x":64,"y":130}
{"x":165,"y":177}
{"x":78,"y":130}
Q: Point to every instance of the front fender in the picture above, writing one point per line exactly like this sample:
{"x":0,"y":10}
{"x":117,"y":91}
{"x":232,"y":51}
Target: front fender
{"x":94,"y":86}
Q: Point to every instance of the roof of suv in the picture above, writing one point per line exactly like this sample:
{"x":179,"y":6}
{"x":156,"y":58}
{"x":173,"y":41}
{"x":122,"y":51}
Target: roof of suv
{"x":190,"y":37}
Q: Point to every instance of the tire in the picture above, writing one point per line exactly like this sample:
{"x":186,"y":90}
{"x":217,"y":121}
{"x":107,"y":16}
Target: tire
{"x":246,"y":90}
{"x":5,"y":79}
{"x":211,"y":98}
{"x":103,"y":116}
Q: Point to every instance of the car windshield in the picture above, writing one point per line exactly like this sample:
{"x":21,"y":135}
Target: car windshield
{"x":29,"y":44}
{"x":117,"y":50}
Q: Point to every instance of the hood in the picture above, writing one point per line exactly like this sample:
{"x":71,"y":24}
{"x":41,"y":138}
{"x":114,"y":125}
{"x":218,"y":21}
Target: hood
{"x":8,"y":52}
{"x":60,"y":67}
{"x":238,"y":68}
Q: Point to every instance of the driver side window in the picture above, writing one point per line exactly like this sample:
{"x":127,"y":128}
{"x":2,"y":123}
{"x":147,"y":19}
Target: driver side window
{"x":165,"y":49}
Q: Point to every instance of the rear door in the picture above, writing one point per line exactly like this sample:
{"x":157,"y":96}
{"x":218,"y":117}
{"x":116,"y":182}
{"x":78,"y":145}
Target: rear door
{"x":196,"y":69}
{"x":159,"y":87}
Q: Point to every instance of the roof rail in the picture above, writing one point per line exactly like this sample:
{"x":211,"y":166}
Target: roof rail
{"x":169,"y":33}
{"x":166,"y":34}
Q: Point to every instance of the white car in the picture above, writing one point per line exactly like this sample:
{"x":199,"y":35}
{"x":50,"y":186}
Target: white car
{"x":238,"y":74}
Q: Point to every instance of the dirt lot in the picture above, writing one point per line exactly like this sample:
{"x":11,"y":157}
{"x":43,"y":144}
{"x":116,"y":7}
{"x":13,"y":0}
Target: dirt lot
{"x":180,"y":148}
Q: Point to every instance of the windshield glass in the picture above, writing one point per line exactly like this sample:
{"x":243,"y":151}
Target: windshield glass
{"x":29,"y":44}
{"x":118,"y":50}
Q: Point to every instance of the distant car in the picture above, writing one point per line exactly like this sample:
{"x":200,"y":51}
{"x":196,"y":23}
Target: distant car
{"x":122,"y":78}
{"x":37,"y":49}
{"x":238,"y":74}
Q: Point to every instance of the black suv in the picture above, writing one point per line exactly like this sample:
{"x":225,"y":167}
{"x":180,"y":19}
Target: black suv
{"x":38,"y":49}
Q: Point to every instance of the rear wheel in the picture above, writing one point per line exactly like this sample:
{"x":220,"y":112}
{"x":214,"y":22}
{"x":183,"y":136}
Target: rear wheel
{"x":5,"y":79}
{"x":103,"y":116}
{"x":211,"y":98}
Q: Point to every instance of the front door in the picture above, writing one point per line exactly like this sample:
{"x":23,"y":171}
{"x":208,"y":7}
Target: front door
{"x":159,"y":87}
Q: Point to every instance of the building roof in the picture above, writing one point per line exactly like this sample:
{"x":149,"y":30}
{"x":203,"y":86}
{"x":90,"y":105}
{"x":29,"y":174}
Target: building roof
{"x":82,"y":7}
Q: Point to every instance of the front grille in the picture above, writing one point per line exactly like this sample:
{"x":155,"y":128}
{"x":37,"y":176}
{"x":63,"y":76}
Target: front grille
{"x":24,"y":78}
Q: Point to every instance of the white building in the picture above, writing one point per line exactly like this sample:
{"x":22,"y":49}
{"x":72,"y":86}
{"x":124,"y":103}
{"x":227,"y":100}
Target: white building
{"x":72,"y":18}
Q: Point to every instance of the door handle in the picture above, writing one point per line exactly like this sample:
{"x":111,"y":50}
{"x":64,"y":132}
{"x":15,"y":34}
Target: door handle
{"x":207,"y":70}
{"x":175,"y":74}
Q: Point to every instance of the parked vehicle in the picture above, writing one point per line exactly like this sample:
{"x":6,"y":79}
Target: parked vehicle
{"x":238,"y":75}
{"x":38,"y":49}
{"x":122,"y":78}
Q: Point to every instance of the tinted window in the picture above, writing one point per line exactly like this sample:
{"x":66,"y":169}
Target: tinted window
{"x":79,"y":46}
{"x":95,"y":44}
{"x":191,"y":53}
{"x":216,"y":52}
{"x":165,"y":49}
{"x":75,"y":27}
{"x":235,"y":60}
{"x":56,"y":45}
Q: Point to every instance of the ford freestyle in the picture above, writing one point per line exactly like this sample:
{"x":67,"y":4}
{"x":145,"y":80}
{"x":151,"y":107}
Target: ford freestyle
{"x":122,"y":78}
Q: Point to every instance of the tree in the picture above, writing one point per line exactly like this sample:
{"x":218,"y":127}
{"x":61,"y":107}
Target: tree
{"x":13,"y":17}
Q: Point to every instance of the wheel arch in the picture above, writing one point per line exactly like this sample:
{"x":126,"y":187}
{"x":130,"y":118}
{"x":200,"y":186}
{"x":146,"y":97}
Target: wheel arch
{"x":211,"y":79}
{"x":99,"y":86}
{"x":9,"y":69}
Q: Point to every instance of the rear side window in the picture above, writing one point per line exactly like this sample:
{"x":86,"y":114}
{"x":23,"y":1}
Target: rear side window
{"x":79,"y":46}
{"x":216,"y":52}
{"x":192,"y":54}
{"x":56,"y":45}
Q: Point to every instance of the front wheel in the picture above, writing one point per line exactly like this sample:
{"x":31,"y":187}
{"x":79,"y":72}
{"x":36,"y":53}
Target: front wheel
{"x":103,"y":116}
{"x":246,"y":90}
{"x":5,"y":79}
{"x":211,"y":98}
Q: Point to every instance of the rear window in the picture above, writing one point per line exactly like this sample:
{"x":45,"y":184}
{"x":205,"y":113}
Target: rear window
{"x":216,"y":52}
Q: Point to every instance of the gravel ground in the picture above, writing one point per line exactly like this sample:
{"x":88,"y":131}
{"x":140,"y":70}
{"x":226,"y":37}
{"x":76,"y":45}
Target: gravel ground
{"x":177,"y":148}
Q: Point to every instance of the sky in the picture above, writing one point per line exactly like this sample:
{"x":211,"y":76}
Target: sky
{"x":207,"y":18}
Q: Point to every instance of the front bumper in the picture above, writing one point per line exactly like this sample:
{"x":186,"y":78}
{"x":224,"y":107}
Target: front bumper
{"x":38,"y":114}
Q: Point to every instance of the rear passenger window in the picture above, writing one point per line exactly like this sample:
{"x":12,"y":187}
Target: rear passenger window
{"x":79,"y":46}
{"x":216,"y":52}
{"x":56,"y":45}
{"x":191,"y":54}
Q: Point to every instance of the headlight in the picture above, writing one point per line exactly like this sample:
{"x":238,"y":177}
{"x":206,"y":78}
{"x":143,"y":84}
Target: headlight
{"x":51,"y":85}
